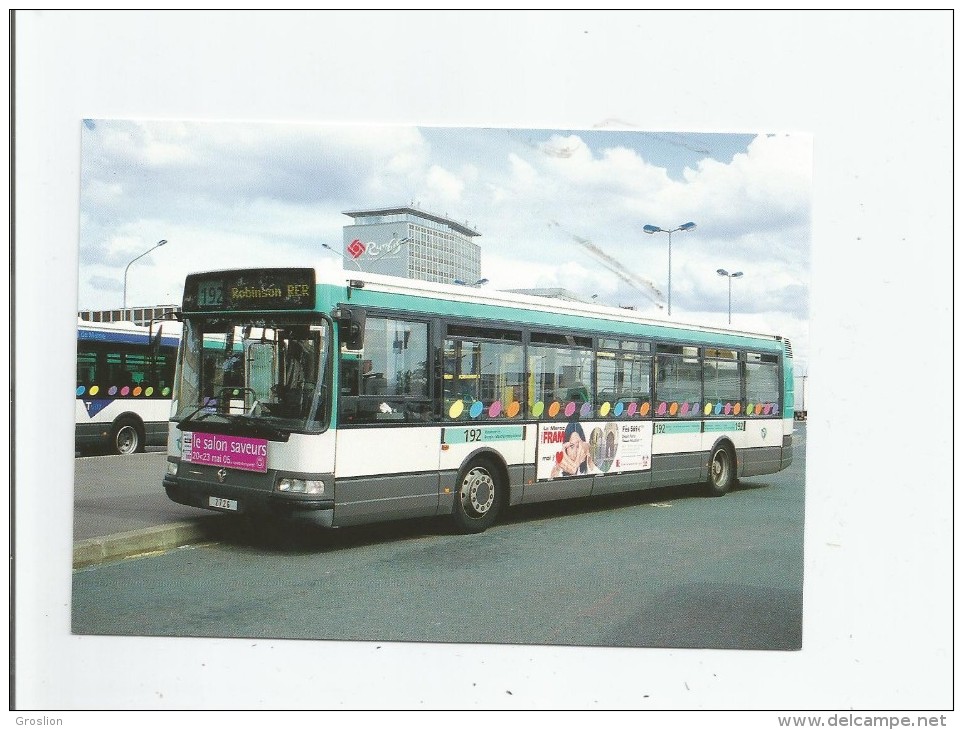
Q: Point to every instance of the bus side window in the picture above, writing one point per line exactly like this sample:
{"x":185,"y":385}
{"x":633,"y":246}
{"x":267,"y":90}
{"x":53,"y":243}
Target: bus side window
{"x":87,"y":369}
{"x":389,"y":383}
{"x":561,"y":373}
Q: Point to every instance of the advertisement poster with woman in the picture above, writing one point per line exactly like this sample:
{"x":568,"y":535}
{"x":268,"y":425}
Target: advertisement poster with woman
{"x":578,"y":448}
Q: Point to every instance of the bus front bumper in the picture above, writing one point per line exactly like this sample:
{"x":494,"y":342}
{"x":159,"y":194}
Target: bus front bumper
{"x":256,"y":497}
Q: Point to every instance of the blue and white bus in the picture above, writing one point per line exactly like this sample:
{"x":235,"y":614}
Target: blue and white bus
{"x":125,"y":375}
{"x":381,"y":398}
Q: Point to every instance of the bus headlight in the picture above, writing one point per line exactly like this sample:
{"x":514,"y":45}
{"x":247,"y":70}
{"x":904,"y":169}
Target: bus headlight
{"x":172,"y":468}
{"x":300,"y":486}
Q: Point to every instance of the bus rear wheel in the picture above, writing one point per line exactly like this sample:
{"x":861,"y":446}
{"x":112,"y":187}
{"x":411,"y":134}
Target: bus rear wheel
{"x":722,"y":470}
{"x":126,"y":438}
{"x":479,"y":497}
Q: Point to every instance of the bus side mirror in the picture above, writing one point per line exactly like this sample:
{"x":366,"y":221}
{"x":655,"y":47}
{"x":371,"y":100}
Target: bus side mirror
{"x":351,"y":322}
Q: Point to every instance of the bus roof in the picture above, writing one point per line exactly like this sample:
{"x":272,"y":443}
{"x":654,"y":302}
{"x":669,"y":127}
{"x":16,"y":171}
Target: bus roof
{"x":171,"y":331}
{"x":431,"y":297}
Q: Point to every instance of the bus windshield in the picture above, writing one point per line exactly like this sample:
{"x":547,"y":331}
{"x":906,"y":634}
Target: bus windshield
{"x":263,"y":375}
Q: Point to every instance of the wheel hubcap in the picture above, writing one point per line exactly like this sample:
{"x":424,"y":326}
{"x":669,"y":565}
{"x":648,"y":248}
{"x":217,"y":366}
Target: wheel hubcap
{"x":126,"y":439}
{"x":477,"y":492}
{"x":719,"y":468}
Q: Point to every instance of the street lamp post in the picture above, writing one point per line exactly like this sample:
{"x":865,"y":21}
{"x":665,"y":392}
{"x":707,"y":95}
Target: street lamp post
{"x":730,"y":277}
{"x":655,"y":229}
{"x":478,"y":283}
{"x":156,"y":245}
{"x":340,"y":256}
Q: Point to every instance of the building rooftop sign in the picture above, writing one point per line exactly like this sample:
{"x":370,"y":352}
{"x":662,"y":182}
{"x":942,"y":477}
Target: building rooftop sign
{"x":461,"y":228}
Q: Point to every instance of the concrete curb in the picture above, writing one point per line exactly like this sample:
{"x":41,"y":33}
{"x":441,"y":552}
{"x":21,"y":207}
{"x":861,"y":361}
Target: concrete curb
{"x":135,"y":542}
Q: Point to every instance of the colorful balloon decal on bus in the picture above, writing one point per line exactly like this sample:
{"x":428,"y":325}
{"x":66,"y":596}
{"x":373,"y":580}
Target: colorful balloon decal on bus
{"x":570,"y":410}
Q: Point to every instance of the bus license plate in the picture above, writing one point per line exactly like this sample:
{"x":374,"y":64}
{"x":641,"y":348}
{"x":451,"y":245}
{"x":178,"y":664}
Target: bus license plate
{"x":221,"y":503}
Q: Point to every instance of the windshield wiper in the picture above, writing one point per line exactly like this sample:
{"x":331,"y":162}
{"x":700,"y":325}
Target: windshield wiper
{"x":190,"y":417}
{"x":261,"y":424}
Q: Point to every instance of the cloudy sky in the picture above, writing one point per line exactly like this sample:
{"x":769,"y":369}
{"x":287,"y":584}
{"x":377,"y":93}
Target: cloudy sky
{"x":555,"y":208}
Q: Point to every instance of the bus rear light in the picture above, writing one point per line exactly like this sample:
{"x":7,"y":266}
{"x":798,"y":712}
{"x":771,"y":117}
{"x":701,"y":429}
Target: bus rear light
{"x":300,"y":486}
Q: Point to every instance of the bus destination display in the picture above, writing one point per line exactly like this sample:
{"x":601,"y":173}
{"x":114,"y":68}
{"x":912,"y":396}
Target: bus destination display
{"x":250,"y":289}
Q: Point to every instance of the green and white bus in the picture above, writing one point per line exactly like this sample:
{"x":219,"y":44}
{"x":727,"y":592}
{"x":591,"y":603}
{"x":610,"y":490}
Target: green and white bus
{"x":382,"y":398}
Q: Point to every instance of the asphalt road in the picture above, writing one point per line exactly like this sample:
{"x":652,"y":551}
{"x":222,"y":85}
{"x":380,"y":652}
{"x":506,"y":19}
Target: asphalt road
{"x":664,"y":568}
{"x":114,"y":494}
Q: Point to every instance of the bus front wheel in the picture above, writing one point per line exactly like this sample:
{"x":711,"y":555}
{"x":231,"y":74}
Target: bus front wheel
{"x":126,"y":438}
{"x":722,"y":470}
{"x":479,"y":497}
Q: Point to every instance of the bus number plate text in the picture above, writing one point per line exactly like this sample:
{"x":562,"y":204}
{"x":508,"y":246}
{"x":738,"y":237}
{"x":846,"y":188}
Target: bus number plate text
{"x":221,"y":503}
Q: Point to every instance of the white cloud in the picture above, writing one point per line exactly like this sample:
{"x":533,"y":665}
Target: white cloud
{"x":767,"y":187}
{"x":443,"y":185}
{"x":523,"y":174}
